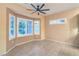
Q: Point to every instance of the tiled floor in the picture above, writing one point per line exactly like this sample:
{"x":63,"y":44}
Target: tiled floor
{"x":44,"y":48}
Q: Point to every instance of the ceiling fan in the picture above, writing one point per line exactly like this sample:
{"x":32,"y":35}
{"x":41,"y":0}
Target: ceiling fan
{"x":39,"y":9}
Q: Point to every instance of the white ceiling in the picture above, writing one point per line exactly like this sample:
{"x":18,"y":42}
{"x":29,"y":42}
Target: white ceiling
{"x":55,"y":7}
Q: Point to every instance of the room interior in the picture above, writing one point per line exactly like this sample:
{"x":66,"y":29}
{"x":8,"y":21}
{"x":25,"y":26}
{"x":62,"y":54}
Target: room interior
{"x":58,"y":29}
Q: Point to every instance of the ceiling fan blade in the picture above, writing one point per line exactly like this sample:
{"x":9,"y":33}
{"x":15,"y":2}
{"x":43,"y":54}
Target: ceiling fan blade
{"x":42,"y":6}
{"x":42,"y":12}
{"x":45,"y":10}
{"x":33,"y":6}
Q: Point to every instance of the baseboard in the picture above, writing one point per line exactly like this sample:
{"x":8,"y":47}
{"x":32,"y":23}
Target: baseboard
{"x":10,"y":49}
{"x":66,"y":43}
{"x":35,"y":40}
{"x":18,"y":45}
{"x":1,"y":54}
{"x":60,"y":42}
{"x":23,"y":43}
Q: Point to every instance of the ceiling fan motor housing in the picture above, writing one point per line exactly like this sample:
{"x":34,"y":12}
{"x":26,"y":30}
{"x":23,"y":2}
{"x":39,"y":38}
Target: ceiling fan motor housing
{"x":39,"y":9}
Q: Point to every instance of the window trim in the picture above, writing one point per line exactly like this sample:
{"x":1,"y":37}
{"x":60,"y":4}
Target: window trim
{"x":13,"y":37}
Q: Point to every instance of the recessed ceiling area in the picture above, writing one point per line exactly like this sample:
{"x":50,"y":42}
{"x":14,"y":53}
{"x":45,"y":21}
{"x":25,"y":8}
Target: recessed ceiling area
{"x":54,"y":7}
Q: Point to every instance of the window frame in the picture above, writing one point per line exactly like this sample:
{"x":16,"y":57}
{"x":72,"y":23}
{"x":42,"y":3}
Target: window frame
{"x":12,"y":37}
{"x":32,"y":28}
{"x":57,"y":21}
{"x":39,"y":27}
{"x":18,"y":20}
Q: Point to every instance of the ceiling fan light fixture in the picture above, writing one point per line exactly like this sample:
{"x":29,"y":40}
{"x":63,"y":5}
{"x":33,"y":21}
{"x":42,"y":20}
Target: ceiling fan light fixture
{"x":39,"y":9}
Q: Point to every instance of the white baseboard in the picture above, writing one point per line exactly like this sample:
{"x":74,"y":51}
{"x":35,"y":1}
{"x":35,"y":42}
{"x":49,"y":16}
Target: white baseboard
{"x":60,"y":42}
{"x":17,"y":45}
{"x":1,"y":54}
{"x":66,"y":43}
{"x":34,"y":40}
{"x":10,"y":49}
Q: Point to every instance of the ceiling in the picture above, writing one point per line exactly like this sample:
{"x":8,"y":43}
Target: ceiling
{"x":54,"y":7}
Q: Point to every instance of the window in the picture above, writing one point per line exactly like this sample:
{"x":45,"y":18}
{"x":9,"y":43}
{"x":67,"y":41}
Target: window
{"x":21,"y":27}
{"x":30,"y":27}
{"x":57,"y":21}
{"x":37,"y":27}
{"x":11,"y":27}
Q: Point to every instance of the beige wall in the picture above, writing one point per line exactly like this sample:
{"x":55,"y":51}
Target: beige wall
{"x":74,"y":30}
{"x":5,"y":44}
{"x":56,"y":32}
{"x":43,"y":28}
{"x":2,"y":30}
{"x":62,"y":33}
